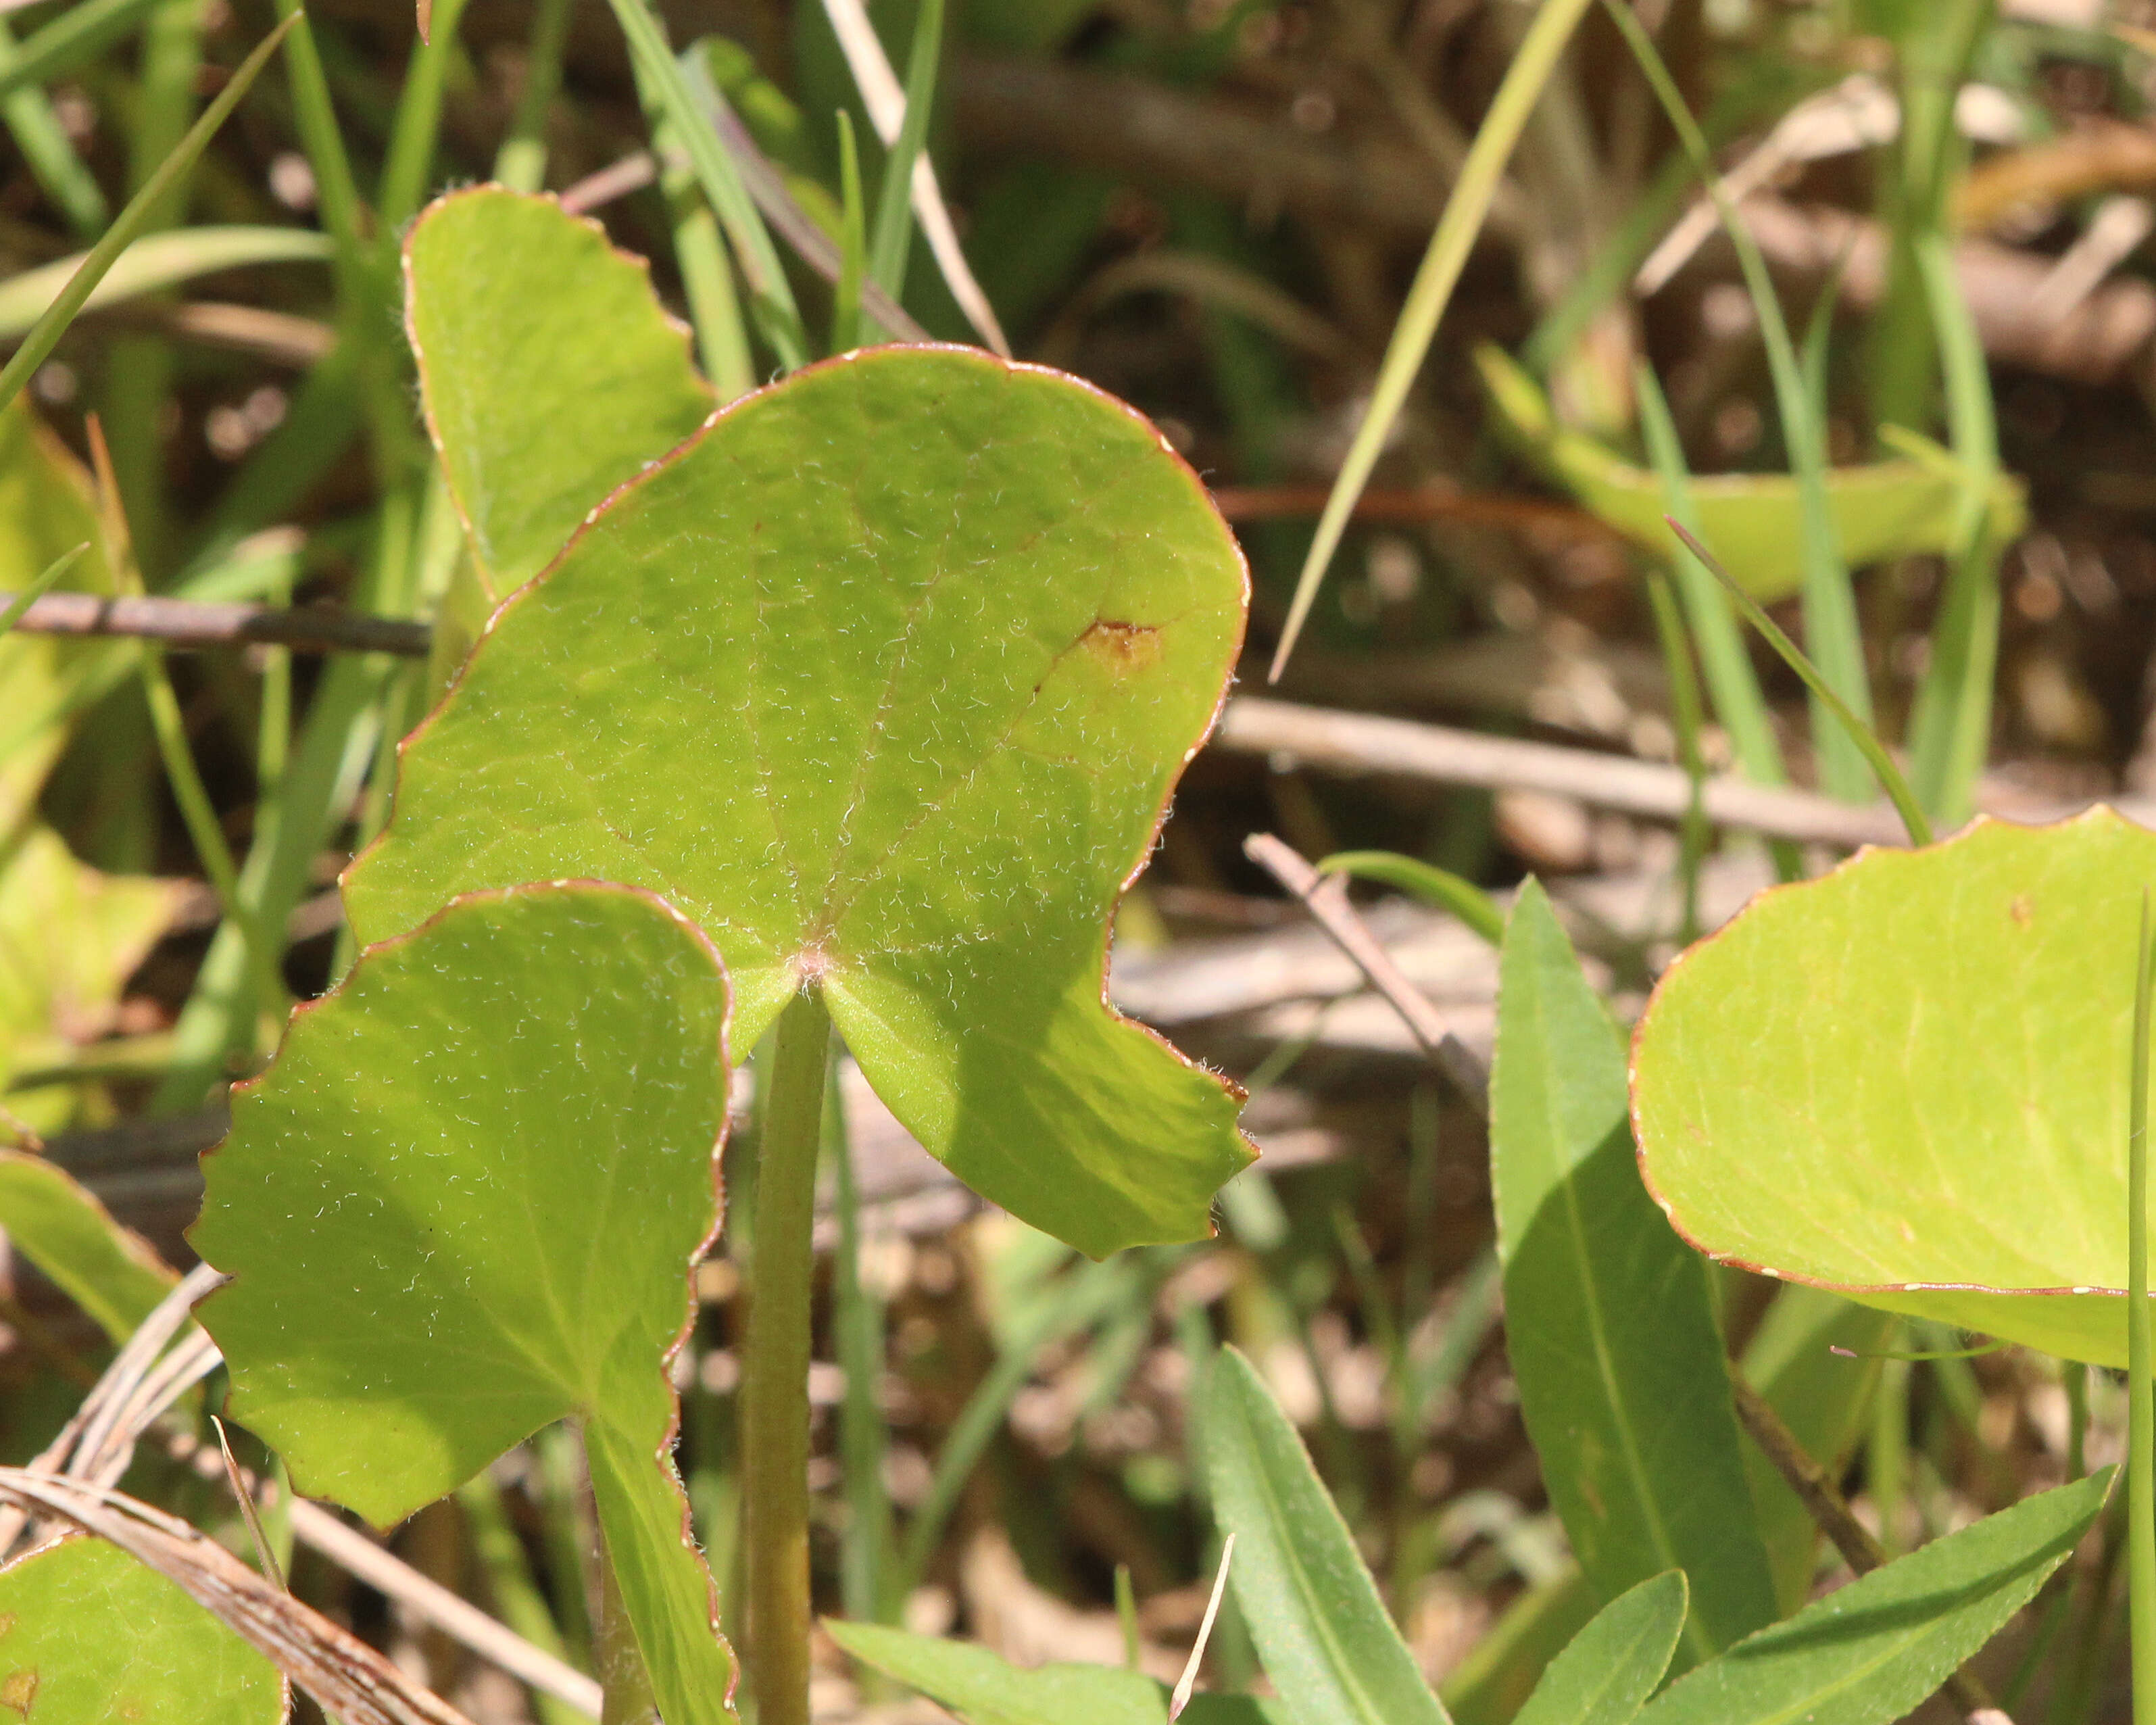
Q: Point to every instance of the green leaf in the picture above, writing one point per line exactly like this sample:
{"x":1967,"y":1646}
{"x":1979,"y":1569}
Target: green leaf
{"x":1871,"y":1651}
{"x":70,"y":938}
{"x":1439,"y":888}
{"x":1606,"y":1675}
{"x":109,"y":1272}
{"x":1908,"y":1081}
{"x":983,"y":1690}
{"x":1609,"y":1319}
{"x":463,"y":1202}
{"x":1881,"y":510}
{"x":87,"y":1633}
{"x":540,"y":404}
{"x":885,"y":679}
{"x":1311,"y":1607}
{"x":1493,"y":1682}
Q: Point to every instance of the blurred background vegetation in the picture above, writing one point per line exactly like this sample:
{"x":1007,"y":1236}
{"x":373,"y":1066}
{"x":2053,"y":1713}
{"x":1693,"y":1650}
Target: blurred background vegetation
{"x":1213,"y":209}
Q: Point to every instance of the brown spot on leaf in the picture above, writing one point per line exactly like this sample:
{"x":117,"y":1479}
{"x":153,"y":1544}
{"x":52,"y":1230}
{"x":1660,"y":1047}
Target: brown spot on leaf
{"x":6,"y":1622}
{"x":2019,"y":909}
{"x":1122,"y":648}
{"x":18,"y":1690}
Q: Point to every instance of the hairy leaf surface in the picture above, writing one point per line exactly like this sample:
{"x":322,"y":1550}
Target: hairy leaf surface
{"x":87,"y":1633}
{"x":885,"y":679}
{"x":550,"y":373}
{"x":463,"y":1202}
{"x":1908,"y":1081}
{"x":1608,"y":1318}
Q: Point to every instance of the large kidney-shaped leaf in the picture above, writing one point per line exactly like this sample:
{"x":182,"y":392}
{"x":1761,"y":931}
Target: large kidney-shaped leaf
{"x":550,"y":373}
{"x":884,"y":679}
{"x":463,"y":1202}
{"x":1908,"y":1081}
{"x":87,"y":1633}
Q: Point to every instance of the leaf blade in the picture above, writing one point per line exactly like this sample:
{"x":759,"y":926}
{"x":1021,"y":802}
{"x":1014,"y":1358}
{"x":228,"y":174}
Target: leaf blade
{"x":1608,"y":1671}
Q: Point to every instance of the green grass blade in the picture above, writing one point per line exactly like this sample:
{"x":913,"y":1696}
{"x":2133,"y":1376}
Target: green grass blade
{"x":22,"y":601}
{"x":1327,"y":1644}
{"x":520,"y":163}
{"x":1950,"y":732}
{"x":707,"y":279}
{"x":1831,"y":623}
{"x":1436,"y":886}
{"x":1860,"y":733}
{"x":771,"y":299}
{"x":864,"y":1547}
{"x":64,"y":175}
{"x":892,"y":236}
{"x":1739,"y":703}
{"x":1532,"y":67}
{"x":846,"y":302}
{"x":409,"y":162}
{"x":337,"y":190}
{"x":2140,"y":1389}
{"x":1685,"y":707}
{"x":37,"y":346}
{"x":71,"y":40}
{"x":156,"y":261}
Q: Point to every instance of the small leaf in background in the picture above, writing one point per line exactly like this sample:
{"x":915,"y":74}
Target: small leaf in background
{"x":885,"y":679}
{"x":1608,"y":1318}
{"x":1606,"y":1675}
{"x":1327,"y":1644}
{"x":70,"y":938}
{"x":91,"y":1635}
{"x":1871,"y":1651}
{"x":540,"y":404}
{"x":1862,"y":1081}
{"x":111,"y":1272}
{"x":984,"y":1690}
{"x":462,"y":1203}
{"x":1881,"y":510}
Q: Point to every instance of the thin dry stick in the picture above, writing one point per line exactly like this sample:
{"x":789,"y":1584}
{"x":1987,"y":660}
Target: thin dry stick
{"x":1816,"y":1490}
{"x":350,"y":1680}
{"x":885,"y":97}
{"x":198,"y":623}
{"x":1326,"y":898}
{"x":1357,"y":742}
{"x":427,"y":1599}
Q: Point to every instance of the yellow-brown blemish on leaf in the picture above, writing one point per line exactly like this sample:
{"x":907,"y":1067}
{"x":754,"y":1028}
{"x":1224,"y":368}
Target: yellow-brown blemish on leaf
{"x":2019,"y":909}
{"x":1122,"y":648}
{"x":6,"y":1622}
{"x":18,"y":1690}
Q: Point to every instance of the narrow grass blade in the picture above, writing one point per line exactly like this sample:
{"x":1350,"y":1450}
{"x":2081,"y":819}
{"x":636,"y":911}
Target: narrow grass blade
{"x":409,"y":162}
{"x":22,"y":601}
{"x":1438,"y":887}
{"x":1685,"y":707}
{"x":1327,"y":1644}
{"x":1950,"y":731}
{"x":161,"y":260}
{"x":1540,"y":49}
{"x":1860,"y":733}
{"x":846,"y":302}
{"x":1739,"y":702}
{"x":74,"y":38}
{"x":64,"y":176}
{"x":1830,"y":621}
{"x":37,"y":346}
{"x":2140,"y":1389}
{"x":1606,"y":1673}
{"x":707,"y":279}
{"x":771,"y":299}
{"x":865,"y":1548}
{"x":521,"y":163}
{"x":891,"y":238}
{"x":1608,"y":1316}
{"x":886,"y":103}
